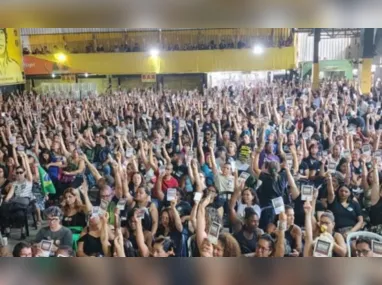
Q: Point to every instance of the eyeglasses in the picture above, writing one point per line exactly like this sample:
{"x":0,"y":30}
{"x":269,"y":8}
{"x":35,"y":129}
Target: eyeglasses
{"x":364,"y":252}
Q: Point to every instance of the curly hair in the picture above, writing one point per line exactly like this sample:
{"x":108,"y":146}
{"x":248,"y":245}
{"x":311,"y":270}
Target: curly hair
{"x":231,"y":246}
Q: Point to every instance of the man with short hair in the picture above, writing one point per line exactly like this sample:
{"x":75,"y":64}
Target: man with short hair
{"x":363,"y":247}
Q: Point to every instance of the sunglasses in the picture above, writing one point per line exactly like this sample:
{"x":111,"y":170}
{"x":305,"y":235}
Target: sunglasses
{"x":19,"y":172}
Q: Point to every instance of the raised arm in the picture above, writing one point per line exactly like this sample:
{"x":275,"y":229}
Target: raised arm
{"x":178,"y":221}
{"x":331,"y":195}
{"x":201,"y":234}
{"x":280,"y":243}
{"x":140,"y":238}
{"x":308,"y":229}
{"x":375,"y":191}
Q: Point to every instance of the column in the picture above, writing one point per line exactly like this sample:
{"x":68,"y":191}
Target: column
{"x":364,"y":73}
{"x":316,"y":65}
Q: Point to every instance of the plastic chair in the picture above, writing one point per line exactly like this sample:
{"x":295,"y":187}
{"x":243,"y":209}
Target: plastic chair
{"x":76,"y":233}
{"x":190,"y":245}
{"x":369,"y":235}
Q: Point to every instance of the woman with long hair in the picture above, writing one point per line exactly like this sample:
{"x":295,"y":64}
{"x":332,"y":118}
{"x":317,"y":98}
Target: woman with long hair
{"x":162,"y":246}
{"x":171,"y":226}
{"x":74,"y":211}
{"x":346,"y":211}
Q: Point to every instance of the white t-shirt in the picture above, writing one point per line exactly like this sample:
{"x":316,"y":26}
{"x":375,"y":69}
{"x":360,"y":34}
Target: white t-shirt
{"x":224,"y":183}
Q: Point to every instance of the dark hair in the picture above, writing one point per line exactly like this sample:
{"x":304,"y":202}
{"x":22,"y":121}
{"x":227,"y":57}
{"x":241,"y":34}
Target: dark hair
{"x":288,"y":207}
{"x":19,"y":247}
{"x":342,"y":161}
{"x":249,"y":212}
{"x":68,"y":249}
{"x":269,"y":239}
{"x":167,"y":243}
{"x":363,"y":240}
{"x":4,"y":170}
{"x":255,"y":199}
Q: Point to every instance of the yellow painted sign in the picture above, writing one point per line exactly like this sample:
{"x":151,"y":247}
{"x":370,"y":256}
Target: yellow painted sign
{"x":11,"y":60}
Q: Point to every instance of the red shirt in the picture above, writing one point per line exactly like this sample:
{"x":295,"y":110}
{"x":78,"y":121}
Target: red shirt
{"x":166,"y":184}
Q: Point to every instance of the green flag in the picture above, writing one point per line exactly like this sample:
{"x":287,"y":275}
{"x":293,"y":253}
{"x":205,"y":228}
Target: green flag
{"x":46,"y":183}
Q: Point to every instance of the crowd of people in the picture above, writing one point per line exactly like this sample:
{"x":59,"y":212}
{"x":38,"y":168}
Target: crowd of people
{"x":271,"y":170}
{"x":120,"y":47}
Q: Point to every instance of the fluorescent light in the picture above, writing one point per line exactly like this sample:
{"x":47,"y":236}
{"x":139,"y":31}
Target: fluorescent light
{"x":154,"y":52}
{"x":53,"y":75}
{"x":258,"y":49}
{"x":355,"y":71}
{"x":86,"y":75}
{"x":373,"y":68}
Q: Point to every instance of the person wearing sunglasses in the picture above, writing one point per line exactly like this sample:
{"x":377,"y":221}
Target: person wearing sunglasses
{"x":18,"y":198}
{"x":60,"y":235}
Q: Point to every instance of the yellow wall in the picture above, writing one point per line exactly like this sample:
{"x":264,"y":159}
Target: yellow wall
{"x":181,"y":62}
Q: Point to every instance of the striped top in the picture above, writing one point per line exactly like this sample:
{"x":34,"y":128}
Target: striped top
{"x":23,"y":189}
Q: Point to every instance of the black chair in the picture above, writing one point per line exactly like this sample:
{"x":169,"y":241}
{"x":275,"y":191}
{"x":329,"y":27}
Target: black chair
{"x":226,"y":196}
{"x":26,"y":212}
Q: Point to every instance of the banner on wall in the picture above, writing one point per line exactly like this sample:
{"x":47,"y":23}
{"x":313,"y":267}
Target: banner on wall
{"x":11,"y":60}
{"x":34,"y":65}
{"x":149,"y":78}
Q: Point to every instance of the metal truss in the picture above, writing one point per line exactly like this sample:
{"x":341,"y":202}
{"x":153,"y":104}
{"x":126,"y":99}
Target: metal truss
{"x":332,"y":33}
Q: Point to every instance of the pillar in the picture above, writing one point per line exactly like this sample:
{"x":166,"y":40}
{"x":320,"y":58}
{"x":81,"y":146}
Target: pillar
{"x":316,"y":65}
{"x":364,"y":73}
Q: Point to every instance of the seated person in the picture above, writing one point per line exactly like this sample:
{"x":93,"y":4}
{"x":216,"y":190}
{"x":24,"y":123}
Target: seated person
{"x":55,"y":231}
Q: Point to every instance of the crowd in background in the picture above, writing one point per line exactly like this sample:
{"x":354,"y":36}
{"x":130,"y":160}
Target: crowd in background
{"x":272,"y":170}
{"x":119,"y":47}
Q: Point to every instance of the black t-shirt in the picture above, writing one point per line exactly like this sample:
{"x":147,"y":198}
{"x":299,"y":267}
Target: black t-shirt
{"x":299,"y":213}
{"x":179,"y":171}
{"x":375,"y":214}
{"x":176,"y":238}
{"x":345,"y":217}
{"x":303,"y":167}
{"x":308,"y":123}
{"x":246,"y":246}
{"x":271,"y":188}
